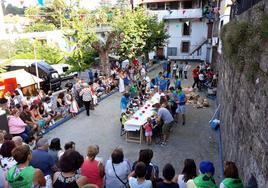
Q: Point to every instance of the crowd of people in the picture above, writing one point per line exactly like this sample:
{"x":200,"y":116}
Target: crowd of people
{"x":172,"y":102}
{"x":28,"y":160}
{"x":49,"y":165}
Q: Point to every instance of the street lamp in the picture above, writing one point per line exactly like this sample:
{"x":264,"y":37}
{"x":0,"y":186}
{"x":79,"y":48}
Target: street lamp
{"x":36,"y":65}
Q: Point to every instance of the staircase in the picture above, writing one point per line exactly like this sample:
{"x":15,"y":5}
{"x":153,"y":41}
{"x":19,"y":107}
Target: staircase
{"x":204,"y":41}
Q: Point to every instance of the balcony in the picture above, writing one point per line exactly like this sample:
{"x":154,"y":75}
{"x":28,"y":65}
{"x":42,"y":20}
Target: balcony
{"x":177,"y":14}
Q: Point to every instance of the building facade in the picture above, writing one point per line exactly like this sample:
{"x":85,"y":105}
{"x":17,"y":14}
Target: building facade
{"x":189,"y":28}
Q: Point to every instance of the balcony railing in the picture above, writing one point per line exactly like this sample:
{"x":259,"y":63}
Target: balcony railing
{"x":177,"y":14}
{"x":241,"y":6}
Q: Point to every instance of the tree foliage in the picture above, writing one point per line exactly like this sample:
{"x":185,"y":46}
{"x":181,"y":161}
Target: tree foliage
{"x":24,"y":49}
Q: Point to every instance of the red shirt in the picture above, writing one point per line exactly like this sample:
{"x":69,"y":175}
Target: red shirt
{"x":90,"y":169}
{"x":135,"y":62}
{"x":148,"y":127}
{"x":195,"y":73}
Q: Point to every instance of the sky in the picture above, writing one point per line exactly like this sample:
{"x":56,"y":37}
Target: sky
{"x":90,"y":4}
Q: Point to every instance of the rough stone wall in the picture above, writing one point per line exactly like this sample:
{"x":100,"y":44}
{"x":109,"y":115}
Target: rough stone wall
{"x":244,"y":114}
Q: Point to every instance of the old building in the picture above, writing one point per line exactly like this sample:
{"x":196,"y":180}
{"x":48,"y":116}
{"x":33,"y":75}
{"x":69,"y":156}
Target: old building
{"x":189,"y":24}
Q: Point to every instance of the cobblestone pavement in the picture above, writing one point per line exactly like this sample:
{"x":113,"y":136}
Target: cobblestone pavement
{"x":195,"y":140}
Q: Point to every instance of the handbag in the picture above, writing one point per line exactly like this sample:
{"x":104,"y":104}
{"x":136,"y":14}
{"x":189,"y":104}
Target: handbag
{"x":125,"y":183}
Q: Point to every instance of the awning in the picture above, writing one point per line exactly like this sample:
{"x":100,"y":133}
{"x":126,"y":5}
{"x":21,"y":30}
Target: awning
{"x":23,"y":78}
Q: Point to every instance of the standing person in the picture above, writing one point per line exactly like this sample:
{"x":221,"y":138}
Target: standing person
{"x":180,"y":70}
{"x":117,"y":170}
{"x":121,"y":83}
{"x":74,"y":108}
{"x":174,"y":69}
{"x":142,"y":71}
{"x":164,"y":115}
{"x":177,"y":82}
{"x":86,"y":97}
{"x":202,"y":80}
{"x":168,"y":174}
{"x":124,"y":102}
{"x":195,"y":74}
{"x":169,"y":66}
{"x":163,"y":83}
{"x":181,"y":101}
{"x":140,"y":181}
{"x":188,"y":173}
{"x":231,"y":176}
{"x":18,"y":89}
{"x":22,"y":175}
{"x":90,"y":75}
{"x":205,"y":178}
{"x":168,"y":78}
{"x":93,"y":169}
{"x":148,"y":131}
{"x":186,"y":68}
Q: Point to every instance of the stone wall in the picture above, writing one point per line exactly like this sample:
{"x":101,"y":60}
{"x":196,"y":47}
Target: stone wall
{"x":244,"y":111}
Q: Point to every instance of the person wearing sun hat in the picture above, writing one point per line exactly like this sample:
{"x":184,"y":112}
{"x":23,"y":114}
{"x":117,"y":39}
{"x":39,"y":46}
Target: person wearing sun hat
{"x":205,"y":178}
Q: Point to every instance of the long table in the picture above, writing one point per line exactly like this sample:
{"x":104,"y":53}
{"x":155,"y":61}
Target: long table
{"x":139,"y":118}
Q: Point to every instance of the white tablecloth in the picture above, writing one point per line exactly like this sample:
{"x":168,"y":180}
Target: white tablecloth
{"x":142,"y":114}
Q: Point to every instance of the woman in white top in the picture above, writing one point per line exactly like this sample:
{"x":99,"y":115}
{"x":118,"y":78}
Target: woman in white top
{"x":188,"y":172}
{"x":117,"y":170}
{"x":121,"y":83}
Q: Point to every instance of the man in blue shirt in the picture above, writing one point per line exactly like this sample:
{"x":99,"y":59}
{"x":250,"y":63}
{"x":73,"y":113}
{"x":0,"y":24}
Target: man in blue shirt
{"x":41,"y":158}
{"x":181,"y":101}
{"x":90,"y":75}
{"x":124,"y":102}
{"x":157,"y":79}
{"x":177,"y":82}
{"x":162,"y":84}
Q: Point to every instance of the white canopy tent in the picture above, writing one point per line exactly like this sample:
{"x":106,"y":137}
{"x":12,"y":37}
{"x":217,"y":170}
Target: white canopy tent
{"x":23,"y":78}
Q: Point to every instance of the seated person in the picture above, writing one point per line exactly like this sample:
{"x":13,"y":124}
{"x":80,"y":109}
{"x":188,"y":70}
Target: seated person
{"x":49,"y":109}
{"x":16,"y":125}
{"x":26,"y":116}
{"x":34,"y":110}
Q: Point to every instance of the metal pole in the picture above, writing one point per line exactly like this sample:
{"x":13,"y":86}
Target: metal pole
{"x":36,"y":67}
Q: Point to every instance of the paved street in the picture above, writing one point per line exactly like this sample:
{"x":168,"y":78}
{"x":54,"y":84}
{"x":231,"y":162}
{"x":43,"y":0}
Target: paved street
{"x":194,"y":140}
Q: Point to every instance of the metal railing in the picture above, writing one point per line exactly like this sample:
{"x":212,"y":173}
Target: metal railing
{"x":241,"y":6}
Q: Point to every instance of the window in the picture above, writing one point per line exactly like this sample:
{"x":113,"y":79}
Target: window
{"x":160,"y":6}
{"x":171,"y":51}
{"x":186,"y":28}
{"x":187,"y":4}
{"x":174,"y":5}
{"x":54,"y":75}
{"x":185,"y":47}
{"x":167,"y":6}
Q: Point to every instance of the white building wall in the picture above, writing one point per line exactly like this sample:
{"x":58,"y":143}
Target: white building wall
{"x":197,"y":36}
{"x":225,"y":10}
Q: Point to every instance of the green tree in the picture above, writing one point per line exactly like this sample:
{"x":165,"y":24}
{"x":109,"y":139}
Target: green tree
{"x":24,"y":49}
{"x":157,"y":36}
{"x":134,"y":26}
{"x":39,"y":27}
